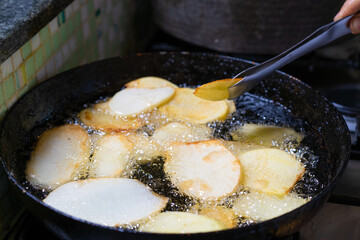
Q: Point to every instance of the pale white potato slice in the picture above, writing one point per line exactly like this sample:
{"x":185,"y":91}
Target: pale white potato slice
{"x":150,"y":82}
{"x":267,"y":135}
{"x":263,"y":206}
{"x":270,"y":170}
{"x":100,"y":117}
{"x":133,"y":101}
{"x":181,"y":132}
{"x":204,"y":169}
{"x":111,"y":156}
{"x":181,"y":222}
{"x":106,"y":201}
{"x":145,"y":148}
{"x":185,"y":106}
{"x":58,"y":154}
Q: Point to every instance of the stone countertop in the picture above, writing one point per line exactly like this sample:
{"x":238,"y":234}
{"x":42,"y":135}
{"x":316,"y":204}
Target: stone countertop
{"x":20,"y":20}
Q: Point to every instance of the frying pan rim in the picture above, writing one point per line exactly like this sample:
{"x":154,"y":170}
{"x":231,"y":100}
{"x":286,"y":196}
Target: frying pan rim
{"x":249,"y":228}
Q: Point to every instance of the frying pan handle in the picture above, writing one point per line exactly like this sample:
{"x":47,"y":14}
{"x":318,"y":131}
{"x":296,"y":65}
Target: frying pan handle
{"x":321,"y":37}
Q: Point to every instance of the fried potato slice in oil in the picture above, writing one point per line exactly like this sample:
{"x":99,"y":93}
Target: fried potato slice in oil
{"x":181,"y":222}
{"x":216,"y":90}
{"x":267,"y":135}
{"x":145,"y":148}
{"x":111,"y":156}
{"x":220,"y":213}
{"x":99,"y":117}
{"x":203,"y":170}
{"x":58,"y":154}
{"x":270,"y":170}
{"x":181,"y":132}
{"x":107,"y":201}
{"x":130,"y":102}
{"x":185,"y":106}
{"x":262,"y":206}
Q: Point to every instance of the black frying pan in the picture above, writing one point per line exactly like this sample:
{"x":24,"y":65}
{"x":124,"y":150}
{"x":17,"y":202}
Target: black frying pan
{"x":52,"y":101}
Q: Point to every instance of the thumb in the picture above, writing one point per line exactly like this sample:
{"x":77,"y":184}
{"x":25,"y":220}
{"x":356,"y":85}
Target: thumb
{"x":355,"y":24}
{"x":348,"y":8}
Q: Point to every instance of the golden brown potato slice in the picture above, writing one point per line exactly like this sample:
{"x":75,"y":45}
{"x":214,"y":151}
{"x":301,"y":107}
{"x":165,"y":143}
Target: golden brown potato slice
{"x":107,"y":201}
{"x":267,"y":135}
{"x":58,"y":154}
{"x":181,"y":132}
{"x":220,"y":213}
{"x":150,"y":82}
{"x":186,"y":106}
{"x":181,"y":222}
{"x":130,"y":102}
{"x":270,"y":170}
{"x":99,"y":117}
{"x":111,"y":156}
{"x":204,"y":169}
{"x":263,"y":206}
{"x":216,"y":90}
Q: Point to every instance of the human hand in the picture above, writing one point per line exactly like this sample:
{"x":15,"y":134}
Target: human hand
{"x":348,"y":8}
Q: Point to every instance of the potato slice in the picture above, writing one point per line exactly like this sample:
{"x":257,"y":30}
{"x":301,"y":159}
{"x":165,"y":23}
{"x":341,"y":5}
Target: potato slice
{"x":181,"y":132}
{"x":204,"y":169}
{"x":58,"y":154}
{"x":100,"y":117}
{"x":267,"y":135}
{"x":216,"y":90}
{"x":145,"y":148}
{"x":181,"y":222}
{"x":270,"y":170}
{"x":106,"y":201}
{"x":186,"y":106}
{"x":133,"y":101}
{"x":220,"y":213}
{"x":111,"y":156}
{"x":150,"y":82}
{"x":231,"y":106}
{"x":262,"y":206}
{"x":237,"y":148}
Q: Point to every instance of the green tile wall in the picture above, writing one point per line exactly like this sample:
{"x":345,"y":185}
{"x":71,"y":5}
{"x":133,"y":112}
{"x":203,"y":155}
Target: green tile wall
{"x":87,"y":30}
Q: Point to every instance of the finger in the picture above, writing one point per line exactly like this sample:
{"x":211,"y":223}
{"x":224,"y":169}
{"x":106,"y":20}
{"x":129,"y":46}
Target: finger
{"x":355,"y":24}
{"x":349,"y":7}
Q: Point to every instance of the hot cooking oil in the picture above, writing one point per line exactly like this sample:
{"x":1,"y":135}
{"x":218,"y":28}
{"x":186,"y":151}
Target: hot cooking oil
{"x":147,"y":163}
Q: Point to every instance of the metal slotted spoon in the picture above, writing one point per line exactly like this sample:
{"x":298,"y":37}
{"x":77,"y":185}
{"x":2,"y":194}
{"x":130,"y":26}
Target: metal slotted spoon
{"x":321,"y":37}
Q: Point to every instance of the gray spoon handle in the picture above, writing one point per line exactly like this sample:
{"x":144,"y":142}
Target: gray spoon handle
{"x":322,"y":36}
